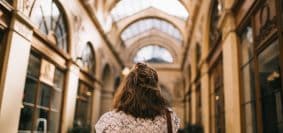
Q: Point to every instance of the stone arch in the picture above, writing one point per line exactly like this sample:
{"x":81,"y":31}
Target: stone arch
{"x":146,"y":14}
{"x":179,"y":28}
{"x":106,"y":78}
{"x":89,"y":45}
{"x":156,"y":36}
{"x":107,"y":89}
{"x":69,"y":23}
{"x":146,"y":42}
{"x":66,"y":16}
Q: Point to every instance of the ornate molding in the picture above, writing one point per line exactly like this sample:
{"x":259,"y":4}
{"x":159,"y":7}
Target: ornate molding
{"x":23,"y":30}
{"x":265,"y":20}
{"x":26,"y":6}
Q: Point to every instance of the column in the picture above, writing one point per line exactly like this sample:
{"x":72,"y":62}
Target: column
{"x":106,"y":100}
{"x":231,"y":75}
{"x":14,"y":74}
{"x":96,"y":104}
{"x":70,"y":96}
{"x":205,"y":98}
{"x":194,"y":106}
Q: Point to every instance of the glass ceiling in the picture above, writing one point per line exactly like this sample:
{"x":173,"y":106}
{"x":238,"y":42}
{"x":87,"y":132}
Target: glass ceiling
{"x":153,"y":54}
{"x":127,"y":8}
{"x":144,"y":25}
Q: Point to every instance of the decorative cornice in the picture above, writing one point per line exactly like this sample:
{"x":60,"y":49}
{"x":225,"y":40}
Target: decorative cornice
{"x":227,"y":23}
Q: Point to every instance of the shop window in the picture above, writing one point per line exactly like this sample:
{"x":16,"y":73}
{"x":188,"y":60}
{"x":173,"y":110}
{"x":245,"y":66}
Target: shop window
{"x":260,"y":70}
{"x":190,"y":107}
{"x":83,"y":106}
{"x":248,"y":82}
{"x":217,"y":98}
{"x":198,"y":103}
{"x":42,"y":98}
{"x":88,"y":59}
{"x":50,"y":20}
{"x":271,"y":89}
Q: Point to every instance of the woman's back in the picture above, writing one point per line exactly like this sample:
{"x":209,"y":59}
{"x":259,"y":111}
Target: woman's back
{"x":120,"y":122}
{"x":138,"y":105}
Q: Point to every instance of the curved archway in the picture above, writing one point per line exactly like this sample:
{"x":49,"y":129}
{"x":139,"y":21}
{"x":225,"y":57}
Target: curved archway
{"x":144,"y":25}
{"x":155,"y":36}
{"x":106,"y":78}
{"x":153,"y":54}
{"x":146,"y":41}
{"x":67,"y":17}
{"x":179,"y":26}
{"x":52,"y":22}
{"x":88,"y":59}
{"x":107,"y":90}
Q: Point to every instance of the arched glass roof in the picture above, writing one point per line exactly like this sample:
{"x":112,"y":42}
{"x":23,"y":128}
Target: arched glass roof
{"x":127,"y":8}
{"x":153,"y":54}
{"x":144,"y":25}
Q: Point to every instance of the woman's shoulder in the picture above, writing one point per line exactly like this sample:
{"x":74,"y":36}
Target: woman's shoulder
{"x":115,"y":120}
{"x":110,"y":120}
{"x":107,"y":116}
{"x":105,"y":120}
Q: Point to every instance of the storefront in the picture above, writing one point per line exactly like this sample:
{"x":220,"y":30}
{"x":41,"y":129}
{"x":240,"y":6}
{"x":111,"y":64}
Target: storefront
{"x":85,"y":94}
{"x":216,"y":77}
{"x":43,"y":94}
{"x":45,"y":79}
{"x":261,"y":62}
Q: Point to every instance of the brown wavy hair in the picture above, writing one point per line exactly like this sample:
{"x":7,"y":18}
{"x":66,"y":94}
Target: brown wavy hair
{"x":139,"y":94}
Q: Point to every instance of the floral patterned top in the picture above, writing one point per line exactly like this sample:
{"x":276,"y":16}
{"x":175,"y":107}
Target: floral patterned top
{"x":120,"y":122}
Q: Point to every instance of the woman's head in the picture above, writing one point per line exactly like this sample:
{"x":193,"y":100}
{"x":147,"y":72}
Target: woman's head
{"x":139,"y":93}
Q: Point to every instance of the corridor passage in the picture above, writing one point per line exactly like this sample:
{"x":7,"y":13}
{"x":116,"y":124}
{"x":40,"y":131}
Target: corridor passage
{"x":219,"y":62}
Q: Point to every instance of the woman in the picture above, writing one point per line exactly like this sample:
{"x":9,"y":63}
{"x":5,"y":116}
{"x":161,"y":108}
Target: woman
{"x":139,"y":106}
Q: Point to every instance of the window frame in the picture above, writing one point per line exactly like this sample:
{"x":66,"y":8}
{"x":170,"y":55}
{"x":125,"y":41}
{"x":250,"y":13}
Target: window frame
{"x":84,"y":69}
{"x":51,"y":39}
{"x":79,"y":98}
{"x":216,"y":70}
{"x":36,"y":107}
{"x":259,"y":46}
